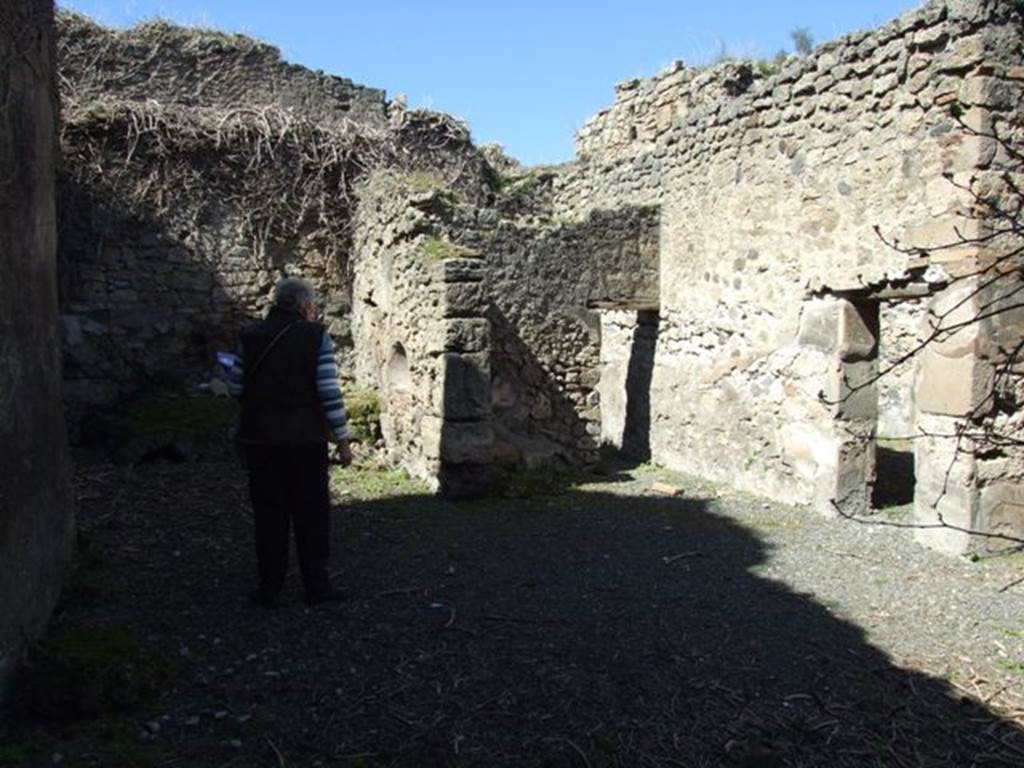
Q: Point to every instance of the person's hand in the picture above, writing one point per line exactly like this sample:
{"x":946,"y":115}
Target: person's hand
{"x":343,"y":453}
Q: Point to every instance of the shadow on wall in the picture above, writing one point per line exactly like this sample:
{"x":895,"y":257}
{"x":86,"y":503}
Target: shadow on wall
{"x":636,"y":434}
{"x":536,"y":424}
{"x":546,"y":283}
{"x":141,"y":311}
{"x":582,"y":627}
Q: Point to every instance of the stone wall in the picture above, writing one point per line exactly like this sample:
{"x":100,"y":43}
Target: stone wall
{"x":772,"y":275}
{"x":172,"y":64}
{"x":488,"y":315}
{"x":713,"y":280}
{"x":547,"y":282}
{"x":166,"y":253}
{"x":900,"y":328}
{"x":198,"y":170}
{"x":421,"y":338}
{"x":36,"y":506}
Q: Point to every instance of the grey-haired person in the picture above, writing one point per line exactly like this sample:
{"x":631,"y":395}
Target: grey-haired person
{"x":292,"y":407}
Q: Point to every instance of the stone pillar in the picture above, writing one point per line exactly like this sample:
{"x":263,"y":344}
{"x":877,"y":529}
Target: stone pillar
{"x":842,"y":450}
{"x":459,"y":433}
{"x":36,"y":509}
{"x":953,"y":380}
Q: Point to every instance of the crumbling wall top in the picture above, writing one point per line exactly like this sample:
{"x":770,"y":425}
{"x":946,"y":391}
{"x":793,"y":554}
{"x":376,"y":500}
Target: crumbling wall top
{"x":647,"y":111}
{"x":172,"y":64}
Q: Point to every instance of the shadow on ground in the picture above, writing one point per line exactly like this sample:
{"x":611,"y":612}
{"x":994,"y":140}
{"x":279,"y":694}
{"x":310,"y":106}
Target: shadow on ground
{"x":584,"y":628}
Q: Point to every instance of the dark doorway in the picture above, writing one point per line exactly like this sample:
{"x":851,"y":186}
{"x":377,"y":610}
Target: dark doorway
{"x":636,"y":436}
{"x":894,"y":467}
{"x":899,"y":331}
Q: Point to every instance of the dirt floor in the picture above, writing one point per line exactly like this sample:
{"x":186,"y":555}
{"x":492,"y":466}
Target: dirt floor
{"x":584,"y":623}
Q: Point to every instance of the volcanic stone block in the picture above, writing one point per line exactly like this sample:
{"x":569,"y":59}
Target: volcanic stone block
{"x":819,"y":324}
{"x":855,"y":474}
{"x":1001,"y":511}
{"x":466,"y":386}
{"x":464,"y":300}
{"x":471,"y":334}
{"x":857,"y":393}
{"x":951,"y":386}
{"x":460,"y":270}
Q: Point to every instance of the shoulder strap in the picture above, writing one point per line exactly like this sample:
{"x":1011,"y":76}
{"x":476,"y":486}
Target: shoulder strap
{"x":270,"y":346}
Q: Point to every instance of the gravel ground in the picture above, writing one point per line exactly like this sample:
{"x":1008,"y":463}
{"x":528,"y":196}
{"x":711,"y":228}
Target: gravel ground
{"x":594,"y":623}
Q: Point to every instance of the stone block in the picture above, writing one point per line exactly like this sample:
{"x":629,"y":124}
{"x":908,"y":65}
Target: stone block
{"x":465,"y":386}
{"x":858,"y":332}
{"x":884,"y":84}
{"x":940,"y":509}
{"x":939,"y":234}
{"x":1001,"y":511}
{"x":463,"y":300}
{"x":855,"y":472}
{"x":466,"y":481}
{"x":819,"y":325}
{"x":956,"y":306}
{"x":931,"y":37}
{"x":462,"y":270}
{"x":990,"y":92}
{"x":458,"y":442}
{"x":855,"y":391}
{"x":951,"y":386}
{"x":459,"y":334}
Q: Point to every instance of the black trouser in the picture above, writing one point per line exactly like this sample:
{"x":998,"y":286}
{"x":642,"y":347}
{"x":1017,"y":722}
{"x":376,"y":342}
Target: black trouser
{"x":288,"y":485}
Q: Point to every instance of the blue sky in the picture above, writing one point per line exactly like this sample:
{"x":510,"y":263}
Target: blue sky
{"x":526,"y":73}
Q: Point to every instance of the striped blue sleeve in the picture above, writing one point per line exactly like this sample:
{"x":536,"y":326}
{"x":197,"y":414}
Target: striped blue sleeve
{"x":236,"y":375}
{"x":329,"y":391}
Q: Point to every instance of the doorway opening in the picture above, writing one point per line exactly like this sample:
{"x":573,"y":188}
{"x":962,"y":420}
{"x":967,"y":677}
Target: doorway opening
{"x":899,"y":331}
{"x":628,"y":341}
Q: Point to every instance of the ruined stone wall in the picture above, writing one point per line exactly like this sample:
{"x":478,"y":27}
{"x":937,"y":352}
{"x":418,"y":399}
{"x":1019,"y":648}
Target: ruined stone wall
{"x":36,"y":507}
{"x":421,"y":338}
{"x":546,"y":282}
{"x":198,"y":170}
{"x":171,"y":239}
{"x":770,"y":188}
{"x":172,"y":64}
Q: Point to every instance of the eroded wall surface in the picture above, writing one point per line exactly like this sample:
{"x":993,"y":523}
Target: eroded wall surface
{"x":172,"y":64}
{"x":36,"y":509}
{"x":770,"y":188}
{"x":421,"y":336}
{"x":547,"y":285}
{"x":173,"y":236}
{"x":198,"y":169}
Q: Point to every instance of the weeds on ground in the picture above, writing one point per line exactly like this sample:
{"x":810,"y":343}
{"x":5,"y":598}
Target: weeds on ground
{"x":362,"y":407}
{"x":88,"y":671}
{"x":1014,"y":666}
{"x":362,"y":483}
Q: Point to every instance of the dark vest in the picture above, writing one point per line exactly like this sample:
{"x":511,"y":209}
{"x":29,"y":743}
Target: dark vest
{"x":280,"y":404}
